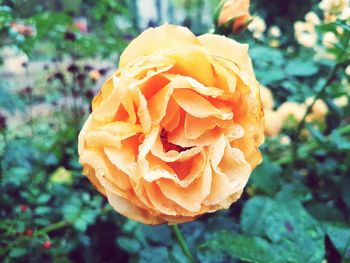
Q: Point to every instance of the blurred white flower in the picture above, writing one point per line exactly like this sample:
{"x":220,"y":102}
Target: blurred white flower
{"x":347,"y":70}
{"x":311,"y":17}
{"x":346,"y":85}
{"x":319,"y":109}
{"x":305,"y":33}
{"x":321,"y":54}
{"x":340,"y":30}
{"x":273,"y":123}
{"x":266,"y":98}
{"x":345,"y":14}
{"x":257,"y":27}
{"x":333,"y":6}
{"x":275,"y":31}
{"x":341,"y":101}
{"x":285,"y":140}
{"x":274,"y":43}
{"x":329,"y":39}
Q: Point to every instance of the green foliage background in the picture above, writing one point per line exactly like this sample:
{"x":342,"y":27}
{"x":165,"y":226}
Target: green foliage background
{"x":293,"y":210}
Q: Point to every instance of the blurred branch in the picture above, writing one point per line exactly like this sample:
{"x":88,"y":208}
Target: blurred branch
{"x":329,"y":80}
{"x":52,"y":227}
{"x":182,"y":243}
{"x":305,"y":149}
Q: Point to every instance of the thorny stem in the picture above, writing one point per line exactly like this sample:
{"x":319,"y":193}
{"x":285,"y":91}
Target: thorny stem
{"x":295,"y":144}
{"x":329,"y":80}
{"x":182,"y":243}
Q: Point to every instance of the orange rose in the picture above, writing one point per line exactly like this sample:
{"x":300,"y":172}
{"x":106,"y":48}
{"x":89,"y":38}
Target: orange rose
{"x":238,"y":12}
{"x":174,"y":132}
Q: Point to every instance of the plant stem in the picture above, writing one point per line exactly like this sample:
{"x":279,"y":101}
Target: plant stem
{"x":53,"y":227}
{"x":182,"y":242}
{"x":305,"y":149}
{"x":329,"y":80}
{"x":295,"y":144}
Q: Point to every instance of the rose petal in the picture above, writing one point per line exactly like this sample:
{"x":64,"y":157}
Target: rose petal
{"x":216,"y":151}
{"x":219,"y":189}
{"x":189,"y":57}
{"x":154,"y":39}
{"x":178,"y":137}
{"x":198,"y":106}
{"x":106,"y":103}
{"x":158,"y":103}
{"x":124,"y":159}
{"x":118,"y":181}
{"x":143,"y":113}
{"x":81,"y":138}
{"x":184,"y":82}
{"x":172,"y":155}
{"x":127,"y":209}
{"x":191,"y":197}
{"x":195,"y":127}
{"x":172,"y":117}
{"x":229,"y":49}
{"x":235,"y":167}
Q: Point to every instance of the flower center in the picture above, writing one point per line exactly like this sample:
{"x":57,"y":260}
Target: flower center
{"x":168,"y":146}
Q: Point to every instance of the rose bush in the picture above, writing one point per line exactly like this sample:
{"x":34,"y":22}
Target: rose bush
{"x":174,"y":132}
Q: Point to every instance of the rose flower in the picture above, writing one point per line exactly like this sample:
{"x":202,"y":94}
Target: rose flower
{"x":236,"y":11}
{"x":174,"y":132}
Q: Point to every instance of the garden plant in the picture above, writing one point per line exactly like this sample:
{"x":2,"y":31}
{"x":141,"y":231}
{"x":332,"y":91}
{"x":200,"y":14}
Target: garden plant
{"x":175,"y":131}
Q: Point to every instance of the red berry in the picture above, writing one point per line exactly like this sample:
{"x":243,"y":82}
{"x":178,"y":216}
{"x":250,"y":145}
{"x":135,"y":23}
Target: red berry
{"x":47,"y":244}
{"x":24,"y":208}
{"x":28,"y":232}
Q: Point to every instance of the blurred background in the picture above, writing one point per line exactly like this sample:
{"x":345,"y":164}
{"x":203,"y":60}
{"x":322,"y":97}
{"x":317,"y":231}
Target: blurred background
{"x":54,"y":57}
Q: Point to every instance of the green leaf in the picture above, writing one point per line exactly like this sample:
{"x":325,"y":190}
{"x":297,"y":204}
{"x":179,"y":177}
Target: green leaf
{"x":340,"y":237}
{"x":324,"y":212}
{"x":154,"y":255}
{"x":159,"y":234}
{"x":301,"y":68}
{"x":253,"y":215}
{"x":16,"y":176}
{"x":316,"y":133}
{"x":177,"y":256}
{"x":17,"y":252}
{"x":130,"y":245}
{"x":43,"y":198}
{"x":80,"y":224}
{"x":41,"y":210}
{"x":251,"y":249}
{"x":345,"y":190}
{"x":294,"y":234}
{"x":267,"y":177}
{"x":72,"y":208}
{"x":340,"y":142}
{"x":9,"y":101}
{"x":265,"y":55}
{"x":277,"y":230}
{"x":275,"y":74}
